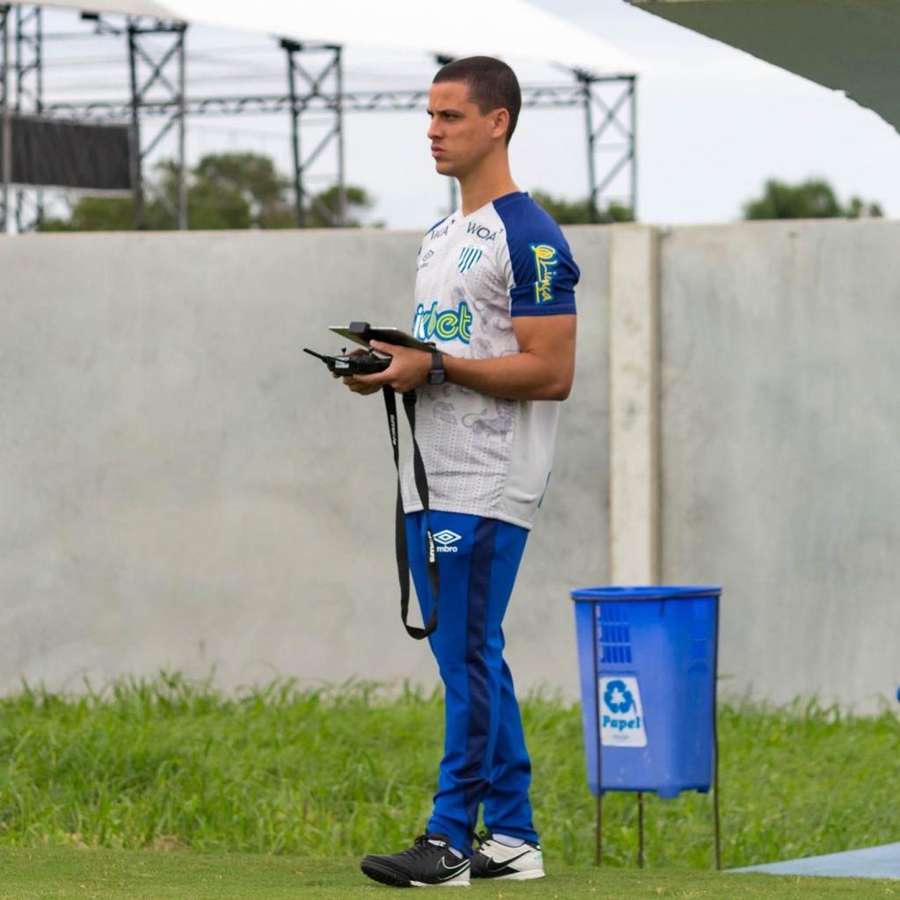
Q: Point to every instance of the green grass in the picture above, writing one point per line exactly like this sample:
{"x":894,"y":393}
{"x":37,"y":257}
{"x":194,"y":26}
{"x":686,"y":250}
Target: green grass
{"x":172,"y":764}
{"x":60,"y":874}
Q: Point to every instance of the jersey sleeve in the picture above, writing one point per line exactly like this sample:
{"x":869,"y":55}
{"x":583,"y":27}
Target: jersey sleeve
{"x":541,"y":274}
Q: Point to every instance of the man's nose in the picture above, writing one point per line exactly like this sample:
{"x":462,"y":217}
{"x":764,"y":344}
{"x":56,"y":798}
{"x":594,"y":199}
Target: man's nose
{"x":434,"y":130}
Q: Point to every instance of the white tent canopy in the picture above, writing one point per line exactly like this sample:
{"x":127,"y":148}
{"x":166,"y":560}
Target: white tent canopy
{"x":507,"y":28}
{"x":849,"y":45}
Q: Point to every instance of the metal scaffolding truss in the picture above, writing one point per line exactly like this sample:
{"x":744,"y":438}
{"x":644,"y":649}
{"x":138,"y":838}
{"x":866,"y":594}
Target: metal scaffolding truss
{"x":21,"y":91}
{"x":155,"y":68}
{"x":553,"y":96}
{"x":29,"y":95}
{"x":315,"y":96}
{"x":602,"y":138}
{"x":5,"y":109}
{"x":315,"y":103}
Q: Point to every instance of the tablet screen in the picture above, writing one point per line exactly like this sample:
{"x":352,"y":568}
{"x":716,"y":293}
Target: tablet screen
{"x":362,"y":333}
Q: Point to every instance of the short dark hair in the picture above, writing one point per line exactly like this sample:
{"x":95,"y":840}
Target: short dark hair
{"x":492,"y":84}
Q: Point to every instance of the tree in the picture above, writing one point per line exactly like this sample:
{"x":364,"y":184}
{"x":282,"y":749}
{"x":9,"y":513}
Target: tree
{"x":323,"y":209}
{"x":95,"y":214}
{"x":578,"y":212}
{"x":224,"y":190}
{"x":811,"y":199}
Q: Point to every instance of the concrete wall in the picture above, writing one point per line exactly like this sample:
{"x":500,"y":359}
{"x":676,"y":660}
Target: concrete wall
{"x":781,"y":448}
{"x":182,"y":487}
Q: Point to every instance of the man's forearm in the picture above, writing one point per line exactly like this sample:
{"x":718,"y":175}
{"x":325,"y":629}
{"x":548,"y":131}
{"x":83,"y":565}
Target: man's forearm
{"x":544,"y":374}
{"x":520,"y":376}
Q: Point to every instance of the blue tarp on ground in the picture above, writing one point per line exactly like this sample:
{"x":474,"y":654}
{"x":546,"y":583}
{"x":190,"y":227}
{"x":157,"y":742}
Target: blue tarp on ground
{"x":873,"y":862}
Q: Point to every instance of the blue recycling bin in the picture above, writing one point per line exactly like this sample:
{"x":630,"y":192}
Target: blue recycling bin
{"x":647,"y":659}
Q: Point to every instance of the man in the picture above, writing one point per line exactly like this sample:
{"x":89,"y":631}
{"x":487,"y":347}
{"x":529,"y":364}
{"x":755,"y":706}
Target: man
{"x":495,"y":293}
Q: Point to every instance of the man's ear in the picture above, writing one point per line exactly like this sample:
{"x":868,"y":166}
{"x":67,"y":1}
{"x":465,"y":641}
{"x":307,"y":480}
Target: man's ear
{"x":500,"y":121}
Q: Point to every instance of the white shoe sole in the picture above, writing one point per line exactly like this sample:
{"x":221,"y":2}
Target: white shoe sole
{"x":525,"y":875}
{"x":454,"y":882}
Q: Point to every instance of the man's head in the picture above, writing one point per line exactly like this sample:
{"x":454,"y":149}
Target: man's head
{"x":474,"y":106}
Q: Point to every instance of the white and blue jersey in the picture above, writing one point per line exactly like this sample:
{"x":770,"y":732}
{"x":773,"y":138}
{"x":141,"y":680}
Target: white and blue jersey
{"x":487,"y":456}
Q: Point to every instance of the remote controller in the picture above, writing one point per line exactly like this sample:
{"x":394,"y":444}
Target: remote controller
{"x":360,"y":364}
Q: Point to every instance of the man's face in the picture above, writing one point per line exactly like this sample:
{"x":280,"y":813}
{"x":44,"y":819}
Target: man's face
{"x":460,"y":135}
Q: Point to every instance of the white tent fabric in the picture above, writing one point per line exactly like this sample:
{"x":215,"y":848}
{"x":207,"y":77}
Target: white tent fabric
{"x":849,"y":45}
{"x":128,"y":7}
{"x":507,"y":28}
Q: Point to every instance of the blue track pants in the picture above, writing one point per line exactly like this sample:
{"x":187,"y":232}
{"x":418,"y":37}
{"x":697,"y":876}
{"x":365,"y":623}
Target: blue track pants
{"x":485,"y":758}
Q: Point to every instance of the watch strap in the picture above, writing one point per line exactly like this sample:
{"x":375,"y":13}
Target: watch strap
{"x":437,"y":374}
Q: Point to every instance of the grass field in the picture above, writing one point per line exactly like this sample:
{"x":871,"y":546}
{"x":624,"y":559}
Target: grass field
{"x":61,"y":874}
{"x":169,"y":764}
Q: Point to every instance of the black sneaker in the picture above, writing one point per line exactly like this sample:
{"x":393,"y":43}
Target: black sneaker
{"x":495,"y":860}
{"x":428,"y":863}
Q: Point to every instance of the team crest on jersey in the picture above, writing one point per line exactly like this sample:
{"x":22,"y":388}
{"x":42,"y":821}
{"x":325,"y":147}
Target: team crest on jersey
{"x":468,"y":256}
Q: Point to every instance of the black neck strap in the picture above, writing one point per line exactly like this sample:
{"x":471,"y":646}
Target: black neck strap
{"x":409,"y":405}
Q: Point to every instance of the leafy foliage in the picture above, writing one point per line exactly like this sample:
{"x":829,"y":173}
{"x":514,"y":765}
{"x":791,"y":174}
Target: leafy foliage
{"x":811,"y":199}
{"x":224,"y":190}
{"x":578,"y":212}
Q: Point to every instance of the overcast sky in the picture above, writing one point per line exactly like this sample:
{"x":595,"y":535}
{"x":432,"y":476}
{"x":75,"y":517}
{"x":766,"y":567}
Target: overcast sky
{"x":713,"y":122}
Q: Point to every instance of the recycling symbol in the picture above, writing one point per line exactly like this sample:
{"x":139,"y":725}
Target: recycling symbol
{"x":617,"y":697}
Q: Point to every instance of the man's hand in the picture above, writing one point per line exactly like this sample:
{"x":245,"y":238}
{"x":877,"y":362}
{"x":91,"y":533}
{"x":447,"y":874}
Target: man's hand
{"x":542,"y":369}
{"x":408,"y":369}
{"x":356,"y":386}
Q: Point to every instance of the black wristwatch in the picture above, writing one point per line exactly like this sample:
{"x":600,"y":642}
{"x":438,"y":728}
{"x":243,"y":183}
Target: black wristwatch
{"x":437,"y":375}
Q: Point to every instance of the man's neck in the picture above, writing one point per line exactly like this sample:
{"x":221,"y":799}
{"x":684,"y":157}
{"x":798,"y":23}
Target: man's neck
{"x":484,"y":185}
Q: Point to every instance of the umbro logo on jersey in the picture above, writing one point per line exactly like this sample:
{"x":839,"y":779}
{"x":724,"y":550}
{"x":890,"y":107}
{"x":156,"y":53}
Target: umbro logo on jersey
{"x":468,"y":256}
{"x":446,"y":538}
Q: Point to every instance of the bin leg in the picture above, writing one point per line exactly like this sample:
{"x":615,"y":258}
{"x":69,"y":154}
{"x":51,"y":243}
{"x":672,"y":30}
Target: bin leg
{"x":640,"y":804}
{"x":717,"y":838}
{"x":716,"y":830}
{"x":598,"y":848}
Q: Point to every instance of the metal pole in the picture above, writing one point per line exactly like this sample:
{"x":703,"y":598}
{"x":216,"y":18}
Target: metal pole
{"x":598,"y":848}
{"x":339,"y":111}
{"x":29,"y":63}
{"x":589,"y":128}
{"x":716,"y":829}
{"x":19,"y":107}
{"x":6,"y":131}
{"x":137,"y":185}
{"x":634,"y":195}
{"x":39,"y":51}
{"x":295,"y":136}
{"x":640,"y":805}
{"x":182,"y":133}
{"x":454,"y":196}
{"x":21,"y":18}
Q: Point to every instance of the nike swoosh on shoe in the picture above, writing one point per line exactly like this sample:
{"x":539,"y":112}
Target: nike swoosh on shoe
{"x":455,"y":870}
{"x":493,"y":866}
